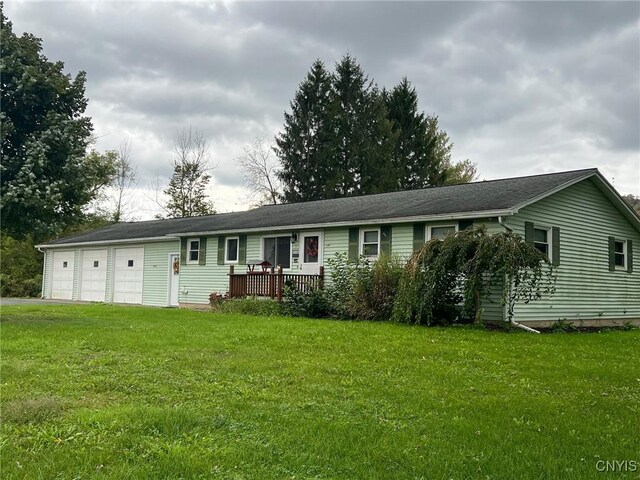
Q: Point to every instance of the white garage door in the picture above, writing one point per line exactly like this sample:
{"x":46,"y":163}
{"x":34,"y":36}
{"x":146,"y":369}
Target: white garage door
{"x":62,"y":275}
{"x":93,"y":275}
{"x":127,"y":275}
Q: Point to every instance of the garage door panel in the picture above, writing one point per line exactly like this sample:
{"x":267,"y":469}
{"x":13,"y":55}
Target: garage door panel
{"x":62,"y":275}
{"x":93,"y":275}
{"x":128,"y":274}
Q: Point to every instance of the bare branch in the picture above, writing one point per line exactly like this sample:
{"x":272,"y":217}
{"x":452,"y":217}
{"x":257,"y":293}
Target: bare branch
{"x":259,"y":169}
{"x":125,"y":178}
{"x":190,"y":162}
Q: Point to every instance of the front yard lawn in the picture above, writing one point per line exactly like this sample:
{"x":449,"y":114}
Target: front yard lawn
{"x":116,"y":392}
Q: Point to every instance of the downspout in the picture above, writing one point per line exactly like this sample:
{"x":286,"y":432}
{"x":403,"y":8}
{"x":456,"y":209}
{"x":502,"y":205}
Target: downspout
{"x":502,"y":223}
{"x":512,"y":321}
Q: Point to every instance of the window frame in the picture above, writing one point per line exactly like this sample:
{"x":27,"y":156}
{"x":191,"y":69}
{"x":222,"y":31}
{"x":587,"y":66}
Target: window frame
{"x":624,"y":254}
{"x":262,"y":257}
{"x":361,"y":243}
{"x":549,"y":242}
{"x":226,"y":250}
{"x":189,"y":250}
{"x":428,"y":235}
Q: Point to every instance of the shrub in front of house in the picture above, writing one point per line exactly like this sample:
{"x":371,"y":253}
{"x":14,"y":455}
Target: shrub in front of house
{"x":360,"y":290}
{"x":313,"y":303}
{"x":447,"y":280}
{"x":444,"y":282}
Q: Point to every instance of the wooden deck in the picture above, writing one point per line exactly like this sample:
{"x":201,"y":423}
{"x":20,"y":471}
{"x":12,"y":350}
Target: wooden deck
{"x":271,"y":283}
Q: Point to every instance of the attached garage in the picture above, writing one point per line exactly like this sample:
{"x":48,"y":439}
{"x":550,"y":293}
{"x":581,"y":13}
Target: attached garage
{"x":93,"y":275}
{"x":128,"y":270}
{"x":62,"y":275}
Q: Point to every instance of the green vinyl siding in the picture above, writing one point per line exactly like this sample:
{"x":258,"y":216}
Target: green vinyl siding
{"x":585,"y":288}
{"x":197,"y":282}
{"x":402,"y":240}
{"x":335,"y":240}
{"x":155,"y":283}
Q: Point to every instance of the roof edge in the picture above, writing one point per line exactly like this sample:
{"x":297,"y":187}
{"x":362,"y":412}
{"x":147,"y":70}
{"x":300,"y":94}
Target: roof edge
{"x":589,"y":173}
{"x":614,"y":196}
{"x":607,"y":189}
{"x":106,"y":242}
{"x":375,"y":221}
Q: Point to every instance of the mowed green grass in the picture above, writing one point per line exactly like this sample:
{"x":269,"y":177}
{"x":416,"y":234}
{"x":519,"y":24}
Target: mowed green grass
{"x":113,"y":392}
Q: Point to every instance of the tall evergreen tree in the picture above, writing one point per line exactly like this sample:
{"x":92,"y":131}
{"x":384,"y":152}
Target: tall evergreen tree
{"x":362,"y":134}
{"x":304,"y":147}
{"x":344,"y":137}
{"x":421,"y":151}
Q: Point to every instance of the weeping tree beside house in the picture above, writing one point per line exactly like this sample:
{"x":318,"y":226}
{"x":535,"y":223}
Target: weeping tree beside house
{"x":448,"y":280}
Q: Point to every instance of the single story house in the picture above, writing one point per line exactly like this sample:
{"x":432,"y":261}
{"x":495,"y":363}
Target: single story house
{"x":576,"y":218}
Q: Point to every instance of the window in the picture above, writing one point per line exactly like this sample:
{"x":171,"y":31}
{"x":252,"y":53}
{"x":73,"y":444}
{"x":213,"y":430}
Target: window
{"x":231,"y":250}
{"x":541,"y":240}
{"x":620,"y":253}
{"x":129,"y":263}
{"x":277,"y":251}
{"x":193,"y":254}
{"x":370,"y":243}
{"x":65,"y":264}
{"x":96,"y":264}
{"x":440,"y":231}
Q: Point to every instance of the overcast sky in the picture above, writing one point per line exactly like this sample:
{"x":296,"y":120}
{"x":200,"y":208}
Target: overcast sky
{"x":521,"y":88}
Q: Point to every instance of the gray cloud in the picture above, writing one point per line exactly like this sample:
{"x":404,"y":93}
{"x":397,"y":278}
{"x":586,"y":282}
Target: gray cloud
{"x":520,"y":87}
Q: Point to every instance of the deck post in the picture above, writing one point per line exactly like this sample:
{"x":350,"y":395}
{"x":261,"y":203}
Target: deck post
{"x":280,"y":277}
{"x":321,"y":278}
{"x":272,"y":283}
{"x":233,"y":285}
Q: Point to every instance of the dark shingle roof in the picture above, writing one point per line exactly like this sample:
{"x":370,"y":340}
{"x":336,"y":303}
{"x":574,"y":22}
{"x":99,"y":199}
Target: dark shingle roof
{"x":503,"y":194}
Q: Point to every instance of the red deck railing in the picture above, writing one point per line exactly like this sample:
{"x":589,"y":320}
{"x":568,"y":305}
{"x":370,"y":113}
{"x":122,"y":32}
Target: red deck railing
{"x":271,"y":283}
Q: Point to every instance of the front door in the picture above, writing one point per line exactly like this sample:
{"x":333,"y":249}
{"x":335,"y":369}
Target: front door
{"x":174,"y":279}
{"x":311,"y":252}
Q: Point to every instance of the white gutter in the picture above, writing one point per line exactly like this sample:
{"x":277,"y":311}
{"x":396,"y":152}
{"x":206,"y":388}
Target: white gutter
{"x":106,"y":242}
{"x":309,"y":226}
{"x":376,"y":221}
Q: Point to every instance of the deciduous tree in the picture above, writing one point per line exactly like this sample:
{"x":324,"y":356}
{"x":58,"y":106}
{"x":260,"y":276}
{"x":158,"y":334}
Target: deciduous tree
{"x":186,"y":191}
{"x":124,"y":179}
{"x":46,"y":177}
{"x":260,"y":170}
